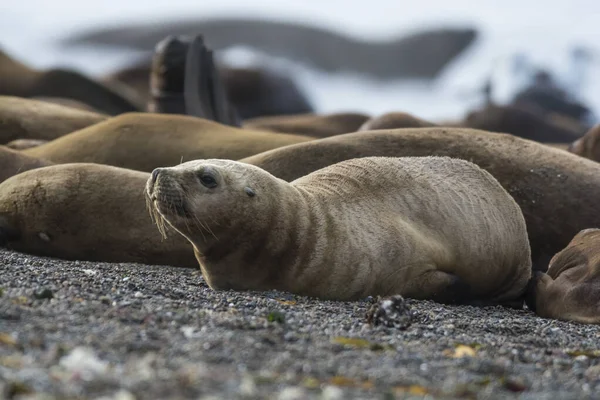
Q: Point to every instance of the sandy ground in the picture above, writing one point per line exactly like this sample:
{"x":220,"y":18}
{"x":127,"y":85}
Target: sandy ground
{"x":79,"y":330}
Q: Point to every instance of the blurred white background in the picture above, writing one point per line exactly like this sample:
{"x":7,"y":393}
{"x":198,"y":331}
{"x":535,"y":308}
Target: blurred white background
{"x":545,"y":31}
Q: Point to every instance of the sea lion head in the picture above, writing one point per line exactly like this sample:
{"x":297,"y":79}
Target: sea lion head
{"x":226,"y":210}
{"x":203,"y":197}
{"x":588,"y":146}
{"x":570,"y":290}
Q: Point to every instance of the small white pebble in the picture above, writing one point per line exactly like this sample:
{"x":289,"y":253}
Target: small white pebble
{"x":138,"y":294}
{"x":126,"y":279}
{"x":89,"y":271}
{"x":188,"y":331}
{"x":292,"y":393}
{"x":582,"y":358}
{"x":83,"y":360}
{"x":120,"y":395}
{"x":248,"y":387}
{"x":332,"y":393}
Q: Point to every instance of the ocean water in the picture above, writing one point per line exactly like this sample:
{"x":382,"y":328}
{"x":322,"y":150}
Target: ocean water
{"x":543,"y":30}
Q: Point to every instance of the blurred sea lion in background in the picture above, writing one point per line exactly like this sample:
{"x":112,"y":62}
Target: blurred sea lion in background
{"x":315,"y":125}
{"x":22,"y":118}
{"x":14,"y":162}
{"x":520,"y":122}
{"x":394,"y":120}
{"x":589,"y":145}
{"x":17,"y":79}
{"x":144,"y":141}
{"x":396,"y":58}
{"x":255,"y":92}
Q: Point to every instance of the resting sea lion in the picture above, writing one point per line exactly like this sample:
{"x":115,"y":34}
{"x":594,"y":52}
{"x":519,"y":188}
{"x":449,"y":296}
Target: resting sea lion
{"x":14,"y":162}
{"x":314,"y":125}
{"x":427,"y":228}
{"x":17,"y":79}
{"x":144,"y":141}
{"x":570,"y":290}
{"x":520,"y":122}
{"x":34,"y":119}
{"x":557,"y":191}
{"x":589,"y":145}
{"x":85,"y":212}
{"x":394,"y":120}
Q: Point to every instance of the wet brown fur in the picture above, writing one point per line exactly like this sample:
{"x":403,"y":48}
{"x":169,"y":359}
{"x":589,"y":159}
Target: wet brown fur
{"x":570,"y":290}
{"x":35,"y":119}
{"x":314,"y":125}
{"x":144,"y":141}
{"x":85,"y":212}
{"x":557,"y":191}
{"x":373,"y":226}
{"x":395,"y":120}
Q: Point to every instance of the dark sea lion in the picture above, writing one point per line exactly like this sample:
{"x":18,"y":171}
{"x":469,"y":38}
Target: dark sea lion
{"x":394,"y":120}
{"x":519,"y":122}
{"x":401,"y":57}
{"x":524,"y":122}
{"x":17,"y":79}
{"x":570,"y":290}
{"x":422,"y":227}
{"x":204,"y":93}
{"x":167,"y":76}
{"x":34,"y":119}
{"x":136,"y":76}
{"x":589,"y":145}
{"x":144,"y":141}
{"x":315,"y":125}
{"x":13,"y":162}
{"x":557,"y":191}
{"x":85,"y":212}
{"x":260,"y":92}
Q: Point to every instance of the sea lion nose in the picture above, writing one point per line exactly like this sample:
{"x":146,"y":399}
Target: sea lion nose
{"x":155,"y":173}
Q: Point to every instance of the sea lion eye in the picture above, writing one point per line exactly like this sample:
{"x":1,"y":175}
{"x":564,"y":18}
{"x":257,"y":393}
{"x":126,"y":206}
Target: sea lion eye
{"x":208,"y":181}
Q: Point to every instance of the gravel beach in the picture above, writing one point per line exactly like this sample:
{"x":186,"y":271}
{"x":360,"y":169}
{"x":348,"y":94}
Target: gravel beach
{"x":82,"y":330}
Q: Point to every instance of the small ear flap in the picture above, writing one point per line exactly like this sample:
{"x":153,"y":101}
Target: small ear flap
{"x":8,"y":232}
{"x":249,"y":192}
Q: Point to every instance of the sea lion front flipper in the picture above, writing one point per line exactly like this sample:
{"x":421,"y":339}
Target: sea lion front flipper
{"x":167,"y":76}
{"x":204,"y":93}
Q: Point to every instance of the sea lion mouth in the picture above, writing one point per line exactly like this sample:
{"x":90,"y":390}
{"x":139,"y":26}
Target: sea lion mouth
{"x":166,"y":201}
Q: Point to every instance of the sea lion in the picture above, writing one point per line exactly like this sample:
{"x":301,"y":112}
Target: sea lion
{"x":17,"y":79}
{"x":314,"y":125}
{"x":520,"y":122}
{"x":22,"y":144}
{"x":144,"y":141}
{"x":13,"y":162}
{"x":424,"y":227}
{"x":589,"y":145}
{"x":557,"y":191}
{"x":570,"y":290}
{"x":34,"y":119}
{"x":394,"y":58}
{"x":85,"y":212}
{"x":394,"y":120}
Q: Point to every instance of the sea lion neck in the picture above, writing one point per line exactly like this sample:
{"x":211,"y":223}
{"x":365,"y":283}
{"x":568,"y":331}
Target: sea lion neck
{"x":268,"y":245}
